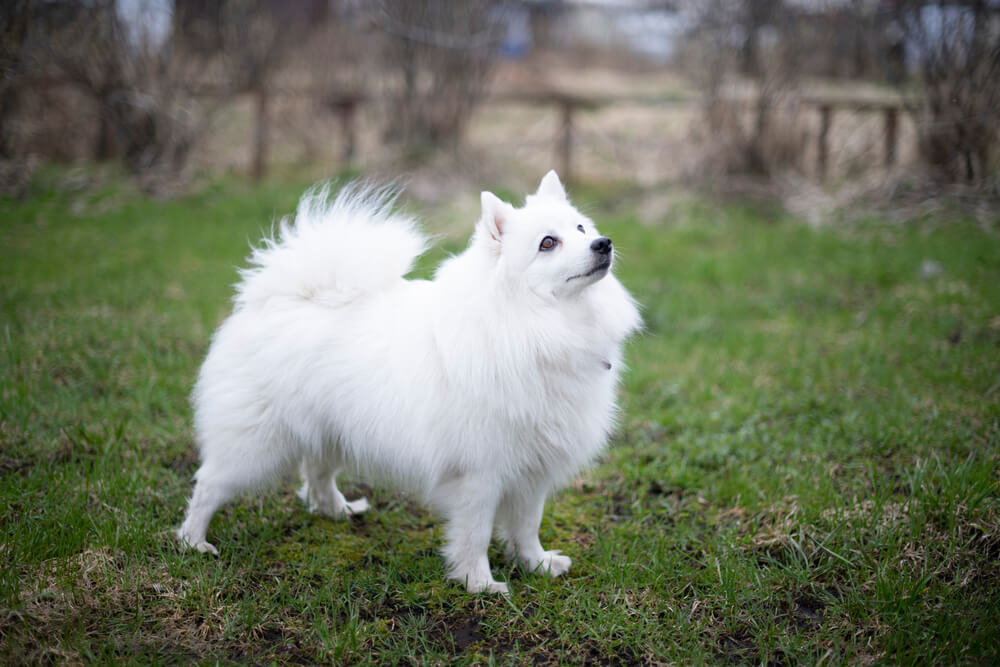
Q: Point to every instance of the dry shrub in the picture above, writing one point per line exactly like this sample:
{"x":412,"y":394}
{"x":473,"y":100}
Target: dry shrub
{"x":337,"y":57}
{"x":759,"y":134}
{"x":15,"y":178}
{"x":39,"y":114}
{"x":955,"y":111}
{"x":254,"y":44}
{"x":752,"y":113}
{"x":56,"y":120}
{"x":339,"y":90}
{"x":143,"y":88}
{"x":437,"y":56}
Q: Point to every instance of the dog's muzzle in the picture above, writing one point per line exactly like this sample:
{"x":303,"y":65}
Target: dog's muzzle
{"x":601,"y":248}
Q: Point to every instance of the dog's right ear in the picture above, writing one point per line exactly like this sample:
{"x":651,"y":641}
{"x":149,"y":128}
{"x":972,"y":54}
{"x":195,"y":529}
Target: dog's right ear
{"x":496,"y":214}
{"x":552,"y":187}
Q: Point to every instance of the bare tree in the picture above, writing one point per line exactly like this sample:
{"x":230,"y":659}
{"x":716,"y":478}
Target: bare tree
{"x":438,"y":55}
{"x":145,"y":88}
{"x":340,"y":61}
{"x":751,"y":123}
{"x":14,"y":17}
{"x":956,"y":110}
{"x":755,"y":16}
{"x":253,"y":46}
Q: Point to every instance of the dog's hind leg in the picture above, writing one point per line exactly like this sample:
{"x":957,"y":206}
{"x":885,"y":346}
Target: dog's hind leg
{"x":221,"y":477}
{"x":319,"y":490}
{"x":208,"y":497}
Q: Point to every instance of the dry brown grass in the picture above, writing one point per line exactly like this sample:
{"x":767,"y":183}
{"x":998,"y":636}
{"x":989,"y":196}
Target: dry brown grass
{"x":71,"y":597}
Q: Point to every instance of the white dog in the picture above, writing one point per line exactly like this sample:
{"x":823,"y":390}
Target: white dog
{"x":480,"y":391}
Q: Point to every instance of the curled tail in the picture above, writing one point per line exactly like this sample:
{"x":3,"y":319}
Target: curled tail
{"x":334,"y":250}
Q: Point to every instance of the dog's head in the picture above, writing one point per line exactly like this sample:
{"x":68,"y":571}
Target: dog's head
{"x":548,"y":245}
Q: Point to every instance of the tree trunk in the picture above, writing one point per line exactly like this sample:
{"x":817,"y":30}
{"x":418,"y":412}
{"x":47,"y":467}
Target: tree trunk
{"x":105,"y":146}
{"x":14,"y":18}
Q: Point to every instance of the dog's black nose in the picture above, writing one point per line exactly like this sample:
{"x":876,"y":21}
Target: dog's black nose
{"x":601,"y":245}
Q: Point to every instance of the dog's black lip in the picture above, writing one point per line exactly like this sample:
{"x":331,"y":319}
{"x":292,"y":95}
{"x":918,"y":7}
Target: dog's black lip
{"x":600,"y":267}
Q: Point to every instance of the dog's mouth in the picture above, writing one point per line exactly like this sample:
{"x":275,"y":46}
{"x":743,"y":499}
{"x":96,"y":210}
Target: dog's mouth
{"x":601,"y":267}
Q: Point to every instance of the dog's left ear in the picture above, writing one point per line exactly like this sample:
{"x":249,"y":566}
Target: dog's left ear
{"x":551,"y":187}
{"x":496,"y":214}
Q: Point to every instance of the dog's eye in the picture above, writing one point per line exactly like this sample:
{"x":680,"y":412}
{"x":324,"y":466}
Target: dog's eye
{"x":580,"y":229}
{"x":548,"y":243}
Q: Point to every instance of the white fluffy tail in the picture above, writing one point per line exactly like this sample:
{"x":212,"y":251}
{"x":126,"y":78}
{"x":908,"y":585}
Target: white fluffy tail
{"x":335,"y":250}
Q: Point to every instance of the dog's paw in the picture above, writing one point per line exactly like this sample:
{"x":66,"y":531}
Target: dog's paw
{"x":201,"y":545}
{"x":206,"y":548}
{"x":353,"y":507}
{"x":328,"y":504}
{"x":479,"y":581}
{"x":551,"y":563}
{"x":496,"y":587}
{"x":345,"y":511}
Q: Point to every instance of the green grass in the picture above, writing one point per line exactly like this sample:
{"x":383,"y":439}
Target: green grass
{"x":806,"y":469}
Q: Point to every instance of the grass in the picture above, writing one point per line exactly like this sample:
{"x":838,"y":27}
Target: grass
{"x":806,"y":471}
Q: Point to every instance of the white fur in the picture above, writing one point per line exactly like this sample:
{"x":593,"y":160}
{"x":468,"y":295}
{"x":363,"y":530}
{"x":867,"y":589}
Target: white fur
{"x":480,"y":391}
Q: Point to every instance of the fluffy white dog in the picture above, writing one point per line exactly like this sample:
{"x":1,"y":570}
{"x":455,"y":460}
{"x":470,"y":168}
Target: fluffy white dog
{"x":479,"y":391}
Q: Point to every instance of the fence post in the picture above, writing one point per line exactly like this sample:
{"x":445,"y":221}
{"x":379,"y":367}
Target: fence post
{"x":891,"y":131}
{"x":822,"y":147}
{"x":346,"y":108}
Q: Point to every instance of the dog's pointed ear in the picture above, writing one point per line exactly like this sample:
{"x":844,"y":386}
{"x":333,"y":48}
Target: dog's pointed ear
{"x":551,"y":187}
{"x":496,"y":214}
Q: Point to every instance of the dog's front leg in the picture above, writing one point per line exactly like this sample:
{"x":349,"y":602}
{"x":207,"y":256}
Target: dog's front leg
{"x":518,"y":519}
{"x":469,"y":503}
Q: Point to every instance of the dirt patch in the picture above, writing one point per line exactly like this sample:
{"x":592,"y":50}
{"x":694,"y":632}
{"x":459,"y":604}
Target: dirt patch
{"x":15,"y":465}
{"x":465,"y":632}
{"x":736,"y":647}
{"x":807,"y":613}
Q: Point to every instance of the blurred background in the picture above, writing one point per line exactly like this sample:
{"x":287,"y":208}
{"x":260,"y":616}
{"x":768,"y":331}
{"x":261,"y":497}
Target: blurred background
{"x":804,"y":197}
{"x":820,"y":103}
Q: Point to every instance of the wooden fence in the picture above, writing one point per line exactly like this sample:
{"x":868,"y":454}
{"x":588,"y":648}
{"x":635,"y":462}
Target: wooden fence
{"x":888,"y":109}
{"x":345,"y":105}
{"x":568,"y":106}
